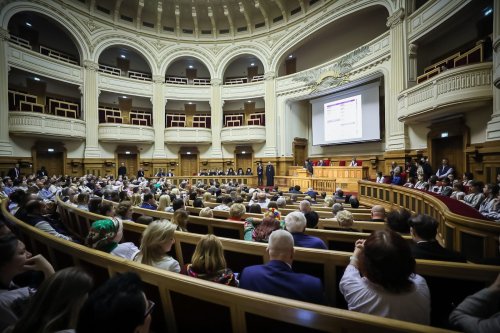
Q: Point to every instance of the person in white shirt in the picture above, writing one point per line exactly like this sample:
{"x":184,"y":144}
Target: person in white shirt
{"x":259,"y":199}
{"x":353,"y":162}
{"x":381,"y":280}
{"x":380,"y":177}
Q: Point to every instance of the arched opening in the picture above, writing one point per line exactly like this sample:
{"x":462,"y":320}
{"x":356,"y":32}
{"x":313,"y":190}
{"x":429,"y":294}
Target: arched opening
{"x":124,"y":61}
{"x":244,"y":68}
{"x":37,"y":32}
{"x":187,"y":70}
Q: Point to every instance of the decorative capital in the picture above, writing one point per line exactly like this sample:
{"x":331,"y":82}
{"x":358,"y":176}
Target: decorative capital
{"x":412,"y":50}
{"x":396,"y":18}
{"x":216,"y":82}
{"x":90,"y":65}
{"x":158,"y":79}
{"x":4,"y":34}
{"x":269,"y":75}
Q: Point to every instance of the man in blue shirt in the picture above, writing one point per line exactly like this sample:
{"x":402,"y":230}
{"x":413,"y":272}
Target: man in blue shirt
{"x":149,"y":202}
{"x":295,"y":223}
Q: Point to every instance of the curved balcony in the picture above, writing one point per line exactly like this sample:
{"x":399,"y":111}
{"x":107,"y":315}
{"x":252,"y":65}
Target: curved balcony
{"x":188,"y":135}
{"x":244,"y":91}
{"x":44,"y":125}
{"x":453,"y":91}
{"x":126,"y":133}
{"x":243,"y":134}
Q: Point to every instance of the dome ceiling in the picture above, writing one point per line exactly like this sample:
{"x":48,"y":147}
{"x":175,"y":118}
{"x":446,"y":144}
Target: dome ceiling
{"x":203,"y":18}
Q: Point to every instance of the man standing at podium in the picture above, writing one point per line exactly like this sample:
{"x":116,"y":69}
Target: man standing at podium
{"x":269,"y":174}
{"x":309,"y":167}
{"x":260,"y":173}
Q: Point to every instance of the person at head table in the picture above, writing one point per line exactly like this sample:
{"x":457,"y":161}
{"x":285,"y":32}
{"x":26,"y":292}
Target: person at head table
{"x":353,"y":162}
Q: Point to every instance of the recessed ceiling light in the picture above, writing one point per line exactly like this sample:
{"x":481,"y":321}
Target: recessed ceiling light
{"x":50,"y":150}
{"x":249,"y":101}
{"x":124,"y":96}
{"x":127,"y":153}
{"x":122,"y":56}
{"x":252,"y":64}
{"x":28,"y":24}
{"x":190,"y":66}
{"x":189,"y":153}
{"x":243,"y":152}
{"x":488,"y":11}
{"x":36,"y":78}
{"x":290,"y":56}
{"x":190,"y":102}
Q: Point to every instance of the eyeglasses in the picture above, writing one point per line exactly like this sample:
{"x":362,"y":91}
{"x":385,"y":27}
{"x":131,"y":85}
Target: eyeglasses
{"x":150,"y":308}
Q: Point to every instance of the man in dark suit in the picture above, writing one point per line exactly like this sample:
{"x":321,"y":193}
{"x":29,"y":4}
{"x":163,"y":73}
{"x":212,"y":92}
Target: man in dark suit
{"x":423,"y":229}
{"x":140,"y":173}
{"x":308,"y":166}
{"x":42,"y":172}
{"x":277,"y":277}
{"x":444,"y":170}
{"x":122,"y":170}
{"x":160,"y":173}
{"x":269,"y":174}
{"x":378,"y":214}
{"x":170,"y":173}
{"x":260,"y":173}
{"x":14,"y":173}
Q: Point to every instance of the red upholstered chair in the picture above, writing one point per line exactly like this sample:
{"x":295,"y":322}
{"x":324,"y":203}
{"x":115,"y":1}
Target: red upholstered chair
{"x":342,"y":163}
{"x":360,"y":163}
{"x":326,"y":163}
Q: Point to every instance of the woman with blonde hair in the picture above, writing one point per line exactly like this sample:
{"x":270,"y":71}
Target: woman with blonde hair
{"x":206,"y":212}
{"x":345,"y":220}
{"x":236,"y":212}
{"x":180,"y":219}
{"x":136,"y":199}
{"x":164,"y":204}
{"x":206,"y":197}
{"x":156,"y":241}
{"x":208,"y":262}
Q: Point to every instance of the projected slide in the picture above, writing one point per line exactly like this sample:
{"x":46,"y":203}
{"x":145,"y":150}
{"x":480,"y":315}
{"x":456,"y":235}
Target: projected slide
{"x":343,"y":119}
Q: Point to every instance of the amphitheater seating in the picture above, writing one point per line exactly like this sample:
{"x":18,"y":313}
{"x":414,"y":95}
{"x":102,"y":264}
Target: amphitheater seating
{"x":171,"y":290}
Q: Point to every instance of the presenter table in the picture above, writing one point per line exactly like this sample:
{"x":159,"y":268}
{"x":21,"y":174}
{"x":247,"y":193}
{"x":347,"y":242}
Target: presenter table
{"x":326,"y":178}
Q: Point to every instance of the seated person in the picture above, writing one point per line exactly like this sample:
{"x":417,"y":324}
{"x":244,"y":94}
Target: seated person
{"x":336,"y":208}
{"x":180,"y":219}
{"x":164,"y":204}
{"x":259,"y":198}
{"x":208,"y":262}
{"x":421,"y":184}
{"x":157,"y":240}
{"x":475,"y":196}
{"x":312,"y":219}
{"x":339,"y":195}
{"x":119,"y":305}
{"x":249,"y":172}
{"x":14,"y":260}
{"x":296,"y":189}
{"x":258,"y":230}
{"x":397,"y":179}
{"x":35,"y":210}
{"x":149,"y":202}
{"x":256,"y":209}
{"x":398,"y":220}
{"x":458,"y":191}
{"x":226,"y":202}
{"x":353,"y":201}
{"x":479,"y":313}
{"x":346,"y":221}
{"x":305,"y":206}
{"x":295,"y":223}
{"x":488,"y":208}
{"x":377,"y":214}
{"x":236,"y":212}
{"x":423,"y":229}
{"x":277,"y":277}
{"x":445,"y":188}
{"x":381,"y":280}
{"x":206,"y":212}
{"x":105,"y":235}
{"x":380,"y":177}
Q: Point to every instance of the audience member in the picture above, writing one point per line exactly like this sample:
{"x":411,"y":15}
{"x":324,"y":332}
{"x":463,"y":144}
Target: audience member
{"x":164,"y":204}
{"x":398,"y":220}
{"x":180,"y":219}
{"x":277,"y":277}
{"x":14,"y":260}
{"x":488,"y":205}
{"x":305,"y":206}
{"x":157,"y":240}
{"x":475,"y":196}
{"x":226,"y":202}
{"x":381,"y":280}
{"x":458,"y":191}
{"x":198,"y":203}
{"x":35,"y":217}
{"x":208,"y":262}
{"x":380,"y":177}
{"x":353,"y":201}
{"x":312,"y":219}
{"x":479,"y":313}
{"x":467,"y":178}
{"x":345,"y":220}
{"x":206,"y":212}
{"x":296,"y":224}
{"x":337,"y":207}
{"x":119,"y":305}
{"x":444,"y":170}
{"x":149,"y":202}
{"x":423,"y":229}
{"x":259,"y":198}
{"x":178,"y":204}
{"x":255,"y":209}
{"x":377,"y":214}
{"x":104,"y":236}
{"x":56,"y":304}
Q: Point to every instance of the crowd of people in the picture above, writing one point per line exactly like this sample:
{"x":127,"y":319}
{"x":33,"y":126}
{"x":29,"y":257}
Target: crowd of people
{"x":380,"y":278}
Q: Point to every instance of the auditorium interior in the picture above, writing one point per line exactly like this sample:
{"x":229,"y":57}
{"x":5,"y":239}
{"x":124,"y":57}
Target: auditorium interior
{"x":191,"y":86}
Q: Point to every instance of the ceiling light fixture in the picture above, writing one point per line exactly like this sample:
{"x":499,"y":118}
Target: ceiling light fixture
{"x":36,"y":78}
{"x":190,"y":66}
{"x":28,"y":24}
{"x":122,"y":56}
{"x":127,"y":153}
{"x":252,"y":64}
{"x":50,"y":150}
{"x":290,"y":56}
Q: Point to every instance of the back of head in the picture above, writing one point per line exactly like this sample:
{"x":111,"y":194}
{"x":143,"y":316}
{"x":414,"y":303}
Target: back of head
{"x":237,"y":210}
{"x":424,"y":226}
{"x":208,"y":257}
{"x":312,"y":219}
{"x":337,"y":207}
{"x":8,"y":247}
{"x":180,"y":218}
{"x":122,"y":208}
{"x":163,"y":202}
{"x":354,"y":202}
{"x":198,"y":203}
{"x":387,"y":261}
{"x":206,"y":212}
{"x":345,"y":218}
{"x":118,"y":305}
{"x":281,"y":202}
{"x":305,"y":206}
{"x":295,"y":222}
{"x":57,"y":302}
{"x":177,"y":204}
{"x":255,"y":209}
{"x":397,"y":220}
{"x":280,"y":244}
{"x":153,"y":237}
{"x":378,"y":211}
{"x":265,"y":228}
{"x":147,"y":197}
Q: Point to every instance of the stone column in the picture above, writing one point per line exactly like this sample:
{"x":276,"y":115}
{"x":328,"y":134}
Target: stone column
{"x":412,"y":65}
{"x":159,"y":116}
{"x":216,"y":105}
{"x":90,"y":109}
{"x":5,"y":145}
{"x":270,"y":105}
{"x":396,"y":136}
{"x":493,"y":127}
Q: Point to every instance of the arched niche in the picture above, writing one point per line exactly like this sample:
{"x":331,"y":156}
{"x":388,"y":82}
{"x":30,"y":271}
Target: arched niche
{"x":334,"y":40}
{"x":39,"y":30}
{"x":189,"y":67}
{"x":246,"y":66}
{"x":126,"y":58}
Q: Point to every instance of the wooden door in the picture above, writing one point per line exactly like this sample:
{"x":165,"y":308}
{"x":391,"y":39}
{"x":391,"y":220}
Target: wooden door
{"x":450,"y":148}
{"x":130,"y":161}
{"x":189,"y":164}
{"x":299,"y":154}
{"x":244,"y":161}
{"x":53,"y":162}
